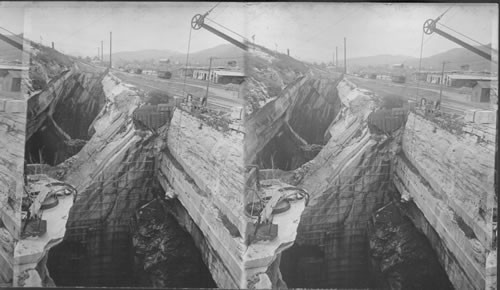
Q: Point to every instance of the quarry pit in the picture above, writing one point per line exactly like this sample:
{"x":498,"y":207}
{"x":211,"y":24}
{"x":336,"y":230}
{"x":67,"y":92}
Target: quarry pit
{"x":393,"y":196}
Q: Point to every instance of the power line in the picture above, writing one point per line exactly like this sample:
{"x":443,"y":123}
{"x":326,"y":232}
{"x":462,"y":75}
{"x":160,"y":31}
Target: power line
{"x":184,"y":84}
{"x":444,"y":12}
{"x":427,"y":40}
{"x":221,"y":12}
{"x":213,"y":7}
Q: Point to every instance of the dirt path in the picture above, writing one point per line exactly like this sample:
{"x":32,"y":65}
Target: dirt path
{"x":217,"y":97}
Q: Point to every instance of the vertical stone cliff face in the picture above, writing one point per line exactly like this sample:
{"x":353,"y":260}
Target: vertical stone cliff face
{"x":12,"y":132}
{"x":347,"y":182}
{"x":290,"y":130}
{"x":264,"y":124}
{"x":446,"y":169}
{"x":61,"y":114}
{"x":401,"y":255}
{"x":204,"y":166}
{"x":12,"y":139}
{"x":316,"y":108}
{"x":82,"y":85}
{"x":165,"y":254}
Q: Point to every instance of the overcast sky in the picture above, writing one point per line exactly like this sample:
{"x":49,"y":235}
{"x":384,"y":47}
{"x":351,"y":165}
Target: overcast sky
{"x":310,"y":30}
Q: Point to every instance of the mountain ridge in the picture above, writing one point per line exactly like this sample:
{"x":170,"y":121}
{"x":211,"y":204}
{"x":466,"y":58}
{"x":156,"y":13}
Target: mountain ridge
{"x":455,"y":58}
{"x":202,"y":57}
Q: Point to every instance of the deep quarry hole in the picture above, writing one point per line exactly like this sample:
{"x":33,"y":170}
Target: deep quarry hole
{"x":64,"y":133}
{"x":302,"y":133}
{"x":309,"y":265}
{"x":103,"y":254}
{"x":108,"y":258}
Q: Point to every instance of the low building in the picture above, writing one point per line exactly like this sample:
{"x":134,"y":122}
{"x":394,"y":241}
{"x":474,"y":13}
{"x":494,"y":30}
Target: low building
{"x":494,"y":93}
{"x":462,"y":80}
{"x":219,"y":75}
{"x":434,"y":78}
{"x":423,"y":75}
{"x":149,"y":72}
{"x":186,"y":72}
{"x":200,"y":74}
{"x":384,"y":77}
{"x":481,"y":92}
{"x":420,"y":76}
{"x":228,"y":77}
{"x":10,"y":80}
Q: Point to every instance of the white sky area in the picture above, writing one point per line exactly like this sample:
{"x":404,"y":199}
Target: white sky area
{"x":310,"y":30}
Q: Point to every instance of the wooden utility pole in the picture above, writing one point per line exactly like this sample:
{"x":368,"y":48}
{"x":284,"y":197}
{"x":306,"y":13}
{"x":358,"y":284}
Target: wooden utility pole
{"x":102,"y":50}
{"x":52,"y":45}
{"x":204,"y":102}
{"x":345,"y":55}
{"x":110,"y":48}
{"x":336,"y":56}
{"x":441,"y":81}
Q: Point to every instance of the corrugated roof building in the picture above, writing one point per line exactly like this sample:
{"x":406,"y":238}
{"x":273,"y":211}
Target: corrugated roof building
{"x":461,"y":80}
{"x":227,"y":77}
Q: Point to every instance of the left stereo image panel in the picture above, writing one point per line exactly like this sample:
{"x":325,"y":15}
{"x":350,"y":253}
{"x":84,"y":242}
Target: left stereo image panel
{"x":121,"y":145}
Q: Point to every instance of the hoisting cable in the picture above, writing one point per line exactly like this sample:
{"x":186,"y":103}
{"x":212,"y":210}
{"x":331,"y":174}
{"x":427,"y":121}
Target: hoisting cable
{"x":417,"y":101}
{"x":12,"y":34}
{"x":462,"y":34}
{"x":185,"y":74}
{"x":441,"y":16}
{"x":184,"y":83}
{"x":209,"y":11}
{"x":244,"y":38}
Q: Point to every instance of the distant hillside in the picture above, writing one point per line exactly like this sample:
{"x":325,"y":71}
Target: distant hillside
{"x":223,"y":51}
{"x":144,"y":55}
{"x":379,"y":60}
{"x":9,"y":53}
{"x":456,"y":58}
{"x":195,"y":58}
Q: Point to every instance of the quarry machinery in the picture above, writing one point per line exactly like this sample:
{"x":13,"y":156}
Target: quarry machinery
{"x":266,"y":206}
{"x":11,"y":42}
{"x":198,"y":21}
{"x":430,"y":27}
